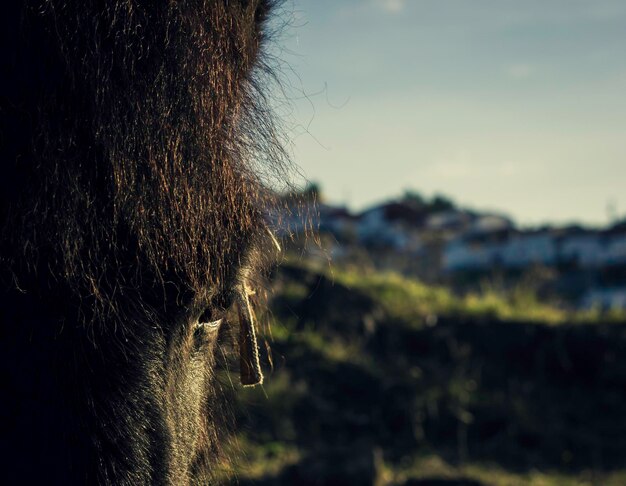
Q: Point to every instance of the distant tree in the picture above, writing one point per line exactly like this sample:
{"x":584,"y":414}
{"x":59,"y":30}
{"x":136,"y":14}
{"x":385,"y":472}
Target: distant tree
{"x":312,"y":191}
{"x":413,"y":198}
{"x":441,"y":203}
{"x":619,"y":225}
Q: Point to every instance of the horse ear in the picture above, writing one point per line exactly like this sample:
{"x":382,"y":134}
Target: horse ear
{"x":250,"y":373}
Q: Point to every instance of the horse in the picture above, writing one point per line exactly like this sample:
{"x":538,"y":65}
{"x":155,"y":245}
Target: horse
{"x":133,"y":136}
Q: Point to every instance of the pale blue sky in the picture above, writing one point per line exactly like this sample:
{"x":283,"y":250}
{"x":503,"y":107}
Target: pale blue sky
{"x":512,"y":105}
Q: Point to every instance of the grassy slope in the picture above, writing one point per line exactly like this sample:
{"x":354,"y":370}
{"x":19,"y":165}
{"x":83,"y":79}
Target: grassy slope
{"x":379,"y":379}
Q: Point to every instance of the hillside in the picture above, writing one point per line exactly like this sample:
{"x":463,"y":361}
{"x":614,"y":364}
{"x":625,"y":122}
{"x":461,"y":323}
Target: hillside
{"x":378,"y":379}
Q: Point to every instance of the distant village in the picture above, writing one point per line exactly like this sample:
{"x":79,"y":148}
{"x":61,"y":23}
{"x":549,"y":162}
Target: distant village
{"x":439,"y":242}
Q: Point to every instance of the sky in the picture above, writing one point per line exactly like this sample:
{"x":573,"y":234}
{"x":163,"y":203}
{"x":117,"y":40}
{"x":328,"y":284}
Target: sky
{"x":512,"y":106}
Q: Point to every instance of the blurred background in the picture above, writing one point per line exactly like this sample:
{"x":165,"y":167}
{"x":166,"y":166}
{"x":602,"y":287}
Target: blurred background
{"x":451,"y":303}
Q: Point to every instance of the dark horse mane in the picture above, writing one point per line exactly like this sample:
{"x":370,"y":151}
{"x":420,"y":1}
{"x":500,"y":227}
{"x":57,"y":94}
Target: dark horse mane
{"x":131,"y":133}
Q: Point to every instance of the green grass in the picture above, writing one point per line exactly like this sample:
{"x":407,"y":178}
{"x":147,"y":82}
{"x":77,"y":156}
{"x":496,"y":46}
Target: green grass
{"x":255,"y":461}
{"x":323,"y":354}
{"x":410,"y":300}
{"x":433,"y":466}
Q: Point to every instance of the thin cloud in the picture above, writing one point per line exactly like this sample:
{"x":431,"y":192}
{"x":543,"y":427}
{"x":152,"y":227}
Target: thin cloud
{"x":519,"y":71}
{"x":509,"y":169}
{"x":392,"y":6}
{"x":458,"y":166}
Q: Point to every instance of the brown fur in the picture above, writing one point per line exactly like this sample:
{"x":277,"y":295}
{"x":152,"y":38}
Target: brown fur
{"x":131,"y":209}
